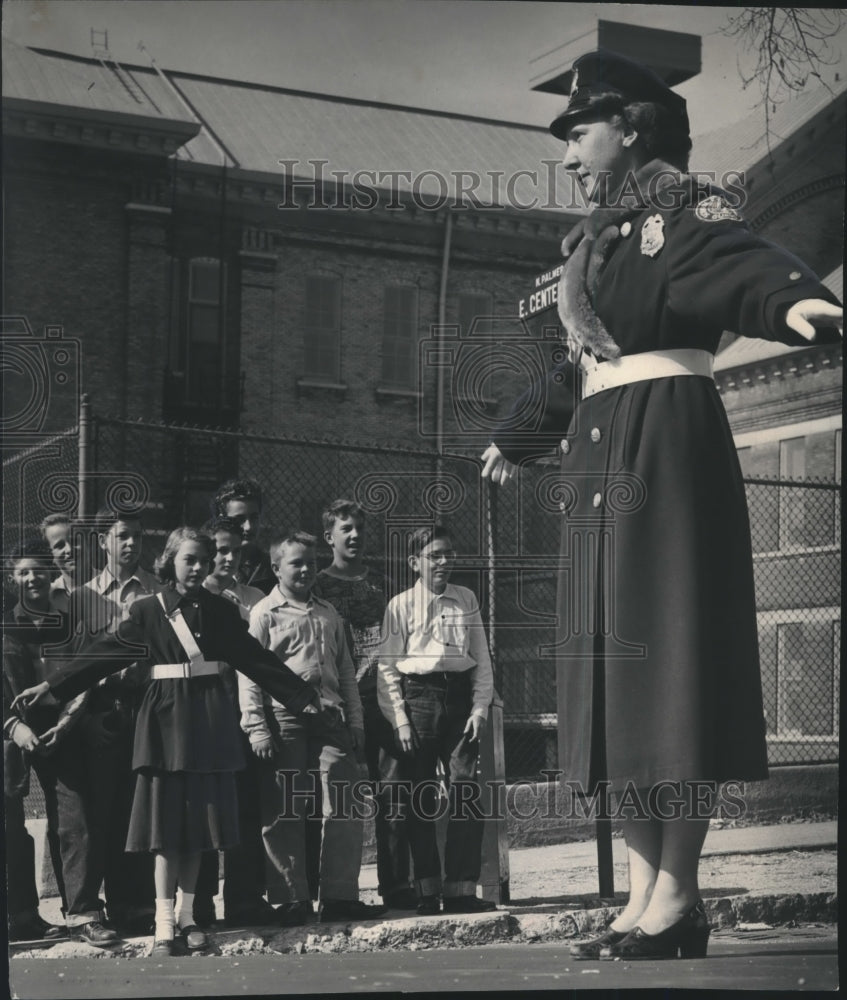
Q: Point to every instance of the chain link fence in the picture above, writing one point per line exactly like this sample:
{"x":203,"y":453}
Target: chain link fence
{"x":796,"y":532}
{"x":40,"y":480}
{"x":508,"y":543}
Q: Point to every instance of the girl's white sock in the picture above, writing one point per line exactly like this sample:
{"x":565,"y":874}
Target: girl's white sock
{"x":184,"y":908}
{"x":164,"y":920}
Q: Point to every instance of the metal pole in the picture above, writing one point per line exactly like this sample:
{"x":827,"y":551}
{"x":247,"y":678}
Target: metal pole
{"x":442,"y":319}
{"x":605,"y":863}
{"x":494,"y":875}
{"x":83,"y":455}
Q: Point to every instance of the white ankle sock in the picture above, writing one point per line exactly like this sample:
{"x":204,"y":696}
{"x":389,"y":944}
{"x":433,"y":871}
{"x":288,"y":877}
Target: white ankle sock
{"x":184,"y":908}
{"x":164,"y":920}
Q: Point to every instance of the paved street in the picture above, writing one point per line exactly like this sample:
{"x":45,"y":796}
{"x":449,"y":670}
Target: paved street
{"x":804,"y":959}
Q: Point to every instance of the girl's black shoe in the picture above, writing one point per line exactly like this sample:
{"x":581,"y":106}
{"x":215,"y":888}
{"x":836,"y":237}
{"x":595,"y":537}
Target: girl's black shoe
{"x":687,"y":938}
{"x":591,"y":949}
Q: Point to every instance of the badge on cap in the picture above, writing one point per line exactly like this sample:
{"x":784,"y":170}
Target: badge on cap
{"x":716,"y":209}
{"x":574,"y":83}
{"x":652,"y":235}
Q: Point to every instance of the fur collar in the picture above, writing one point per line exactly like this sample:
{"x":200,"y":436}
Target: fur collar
{"x":586,"y":249}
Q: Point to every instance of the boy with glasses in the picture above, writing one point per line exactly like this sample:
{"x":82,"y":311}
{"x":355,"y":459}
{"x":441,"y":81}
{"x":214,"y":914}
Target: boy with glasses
{"x":435,"y":684}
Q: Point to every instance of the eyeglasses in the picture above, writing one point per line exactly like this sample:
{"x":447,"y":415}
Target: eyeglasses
{"x":446,"y":556}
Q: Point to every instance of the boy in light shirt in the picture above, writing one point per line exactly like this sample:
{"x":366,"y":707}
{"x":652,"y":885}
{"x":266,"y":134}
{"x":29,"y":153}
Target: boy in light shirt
{"x":308,"y":636}
{"x":435,"y":684}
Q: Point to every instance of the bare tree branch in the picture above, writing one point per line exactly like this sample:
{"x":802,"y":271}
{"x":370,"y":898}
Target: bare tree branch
{"x":790,"y":45}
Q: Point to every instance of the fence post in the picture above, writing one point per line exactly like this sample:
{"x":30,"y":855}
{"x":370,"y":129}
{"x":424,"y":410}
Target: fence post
{"x":83,"y":469}
{"x":494,"y":876}
{"x":605,"y":861}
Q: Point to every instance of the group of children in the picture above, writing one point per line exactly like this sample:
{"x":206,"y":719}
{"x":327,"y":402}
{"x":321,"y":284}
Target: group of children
{"x":195,"y":709}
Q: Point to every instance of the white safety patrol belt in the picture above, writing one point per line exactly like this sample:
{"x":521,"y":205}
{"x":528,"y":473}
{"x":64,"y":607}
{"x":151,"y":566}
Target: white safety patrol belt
{"x":196,"y":665}
{"x":598,"y":377}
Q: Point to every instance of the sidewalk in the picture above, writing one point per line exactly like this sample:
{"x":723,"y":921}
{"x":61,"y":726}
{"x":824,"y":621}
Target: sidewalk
{"x":752,"y":876}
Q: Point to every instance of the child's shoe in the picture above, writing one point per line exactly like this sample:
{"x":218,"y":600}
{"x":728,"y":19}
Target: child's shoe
{"x":194,"y":938}
{"x":332,"y":910}
{"x":295,"y":914}
{"x":467,"y":904}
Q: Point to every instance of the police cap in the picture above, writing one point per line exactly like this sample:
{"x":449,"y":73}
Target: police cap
{"x":602,"y":79}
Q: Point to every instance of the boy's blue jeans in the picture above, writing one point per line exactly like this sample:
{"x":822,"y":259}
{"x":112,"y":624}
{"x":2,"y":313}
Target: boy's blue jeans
{"x":438,"y":706}
{"x":385,"y":770}
{"x":289,"y":794}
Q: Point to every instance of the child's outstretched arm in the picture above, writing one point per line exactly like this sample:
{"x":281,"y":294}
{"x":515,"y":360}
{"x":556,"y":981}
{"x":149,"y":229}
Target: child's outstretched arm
{"x":246,"y":653}
{"x":107,"y":654}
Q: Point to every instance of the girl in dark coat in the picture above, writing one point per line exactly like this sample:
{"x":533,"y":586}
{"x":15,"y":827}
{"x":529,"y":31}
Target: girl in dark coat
{"x":659,"y":684}
{"x":187,"y":743}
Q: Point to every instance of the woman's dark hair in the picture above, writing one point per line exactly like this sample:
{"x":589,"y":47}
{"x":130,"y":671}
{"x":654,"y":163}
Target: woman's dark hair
{"x":663,"y":134}
{"x":164,"y":567}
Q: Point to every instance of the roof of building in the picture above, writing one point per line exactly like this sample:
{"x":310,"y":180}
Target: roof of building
{"x":58,"y":79}
{"x":740,"y":145}
{"x":747,"y":351}
{"x":255,"y":126}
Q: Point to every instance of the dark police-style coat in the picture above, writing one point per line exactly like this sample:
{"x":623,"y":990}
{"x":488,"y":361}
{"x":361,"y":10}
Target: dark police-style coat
{"x":657,"y":639}
{"x":185,"y":724}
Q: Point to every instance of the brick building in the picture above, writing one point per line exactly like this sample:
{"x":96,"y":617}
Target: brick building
{"x":149,"y":216}
{"x":225,"y":253}
{"x":294,"y":265}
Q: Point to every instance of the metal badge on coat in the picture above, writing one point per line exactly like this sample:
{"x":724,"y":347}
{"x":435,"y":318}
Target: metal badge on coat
{"x":652,"y":235}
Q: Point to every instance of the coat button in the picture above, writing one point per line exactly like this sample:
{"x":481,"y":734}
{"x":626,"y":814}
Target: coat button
{"x":626,"y":229}
{"x":565,"y":445}
{"x":597,"y":499}
{"x":595,"y":434}
{"x":795,"y":276}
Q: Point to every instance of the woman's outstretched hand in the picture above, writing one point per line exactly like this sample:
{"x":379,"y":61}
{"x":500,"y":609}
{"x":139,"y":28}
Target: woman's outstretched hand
{"x":497,"y":468}
{"x":31,"y":695}
{"x":806,"y":316}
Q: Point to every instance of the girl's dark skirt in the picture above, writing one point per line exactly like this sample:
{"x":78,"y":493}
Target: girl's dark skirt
{"x":183,"y":811}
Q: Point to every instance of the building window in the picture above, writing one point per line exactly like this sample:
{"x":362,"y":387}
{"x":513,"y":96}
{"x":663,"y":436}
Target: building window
{"x":474,"y":314}
{"x":809,"y":513}
{"x":204,"y":349}
{"x":322,"y":329}
{"x":807,"y":665}
{"x":400,"y":337}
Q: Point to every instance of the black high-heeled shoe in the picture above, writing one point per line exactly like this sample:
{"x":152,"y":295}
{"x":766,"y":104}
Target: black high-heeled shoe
{"x":591,"y":949}
{"x":687,"y":938}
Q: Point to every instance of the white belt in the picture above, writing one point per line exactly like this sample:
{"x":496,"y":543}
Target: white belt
{"x":172,"y":671}
{"x":648,"y":365}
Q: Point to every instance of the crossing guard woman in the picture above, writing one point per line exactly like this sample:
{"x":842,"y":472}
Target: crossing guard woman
{"x":659,"y":673}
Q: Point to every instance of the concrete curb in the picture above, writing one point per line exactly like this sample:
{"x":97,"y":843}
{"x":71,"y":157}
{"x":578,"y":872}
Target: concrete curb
{"x":509,"y":925}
